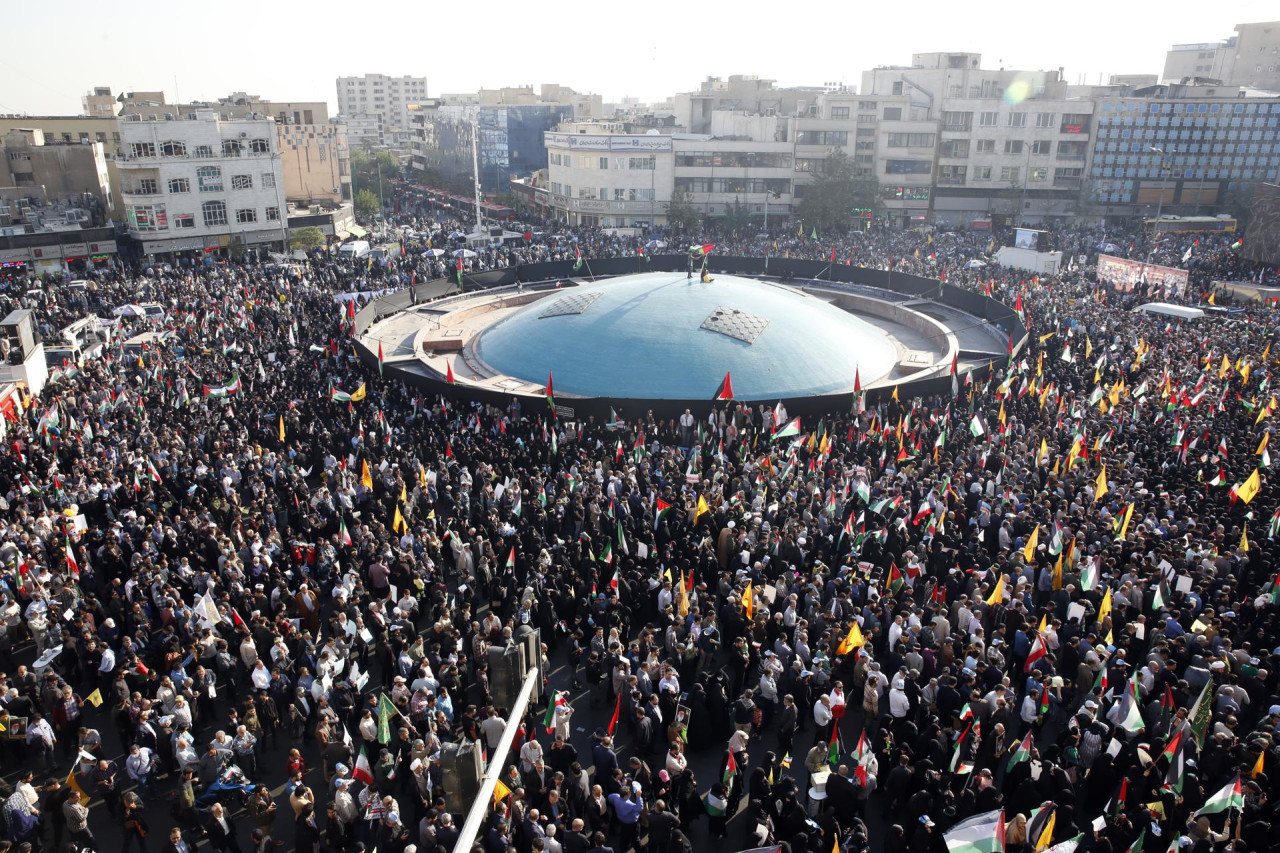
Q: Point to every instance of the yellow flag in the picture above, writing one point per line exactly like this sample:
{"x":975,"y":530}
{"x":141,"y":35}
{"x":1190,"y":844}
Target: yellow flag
{"x":75,"y":786}
{"x":1100,"y":485}
{"x":1244,"y":373}
{"x":398,"y":523}
{"x":895,"y":393}
{"x":1043,"y":455}
{"x":997,"y":594}
{"x":1124,"y":527}
{"x":1040,"y":365}
{"x":282,"y":427}
{"x":422,"y":476}
{"x":1249,"y":489}
{"x":1257,"y":765}
{"x":1057,"y":574}
{"x":358,"y":394}
{"x":95,"y":698}
{"x":1262,"y":445}
{"x":1088,"y":347}
{"x":748,"y":603}
{"x":1029,"y":552}
{"x":1042,"y":843}
{"x":500,"y":792}
{"x":1002,"y":414}
{"x":684,"y":597}
{"x":365,"y":478}
{"x":702,"y":509}
{"x":1266,"y":352}
{"x":403,"y":494}
{"x":1044,"y":338}
{"x":1225,"y":367}
{"x":1244,"y":539}
{"x":1044,"y":624}
{"x":1211,"y":296}
{"x":851,"y":641}
{"x":1104,"y":609}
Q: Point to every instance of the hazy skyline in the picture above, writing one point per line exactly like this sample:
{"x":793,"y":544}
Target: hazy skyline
{"x":202,"y":52}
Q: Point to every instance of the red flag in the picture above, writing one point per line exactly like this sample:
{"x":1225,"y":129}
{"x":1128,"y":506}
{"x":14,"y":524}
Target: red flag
{"x":833,"y":254}
{"x":725,"y":391}
{"x":448,"y":376}
{"x":617,"y":709}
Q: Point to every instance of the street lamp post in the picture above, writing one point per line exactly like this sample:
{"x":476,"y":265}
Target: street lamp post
{"x":1159,"y":203}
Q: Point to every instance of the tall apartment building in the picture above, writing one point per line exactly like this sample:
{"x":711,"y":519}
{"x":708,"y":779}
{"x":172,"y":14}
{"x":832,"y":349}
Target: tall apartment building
{"x":77,"y":130}
{"x":991,"y":143}
{"x":510,"y":140}
{"x":99,"y":103}
{"x":1250,"y":58}
{"x":1191,"y":149}
{"x":55,"y":171}
{"x":381,"y":97}
{"x":200,"y":185}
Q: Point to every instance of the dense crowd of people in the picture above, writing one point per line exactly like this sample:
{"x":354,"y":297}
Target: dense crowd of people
{"x":1038,"y":611}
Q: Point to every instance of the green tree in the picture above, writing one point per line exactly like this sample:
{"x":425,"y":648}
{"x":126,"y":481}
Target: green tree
{"x":365,"y":166}
{"x":367,"y":203}
{"x":737,"y":216}
{"x":837,"y":190}
{"x":681,"y":214}
{"x":306,"y":239}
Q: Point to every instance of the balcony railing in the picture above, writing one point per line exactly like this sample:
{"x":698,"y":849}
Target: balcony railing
{"x":1077,"y":157}
{"x":958,"y":128}
{"x":1068,"y":183}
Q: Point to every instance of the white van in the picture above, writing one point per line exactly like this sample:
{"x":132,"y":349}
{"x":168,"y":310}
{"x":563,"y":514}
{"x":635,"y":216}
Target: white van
{"x":353,"y":251}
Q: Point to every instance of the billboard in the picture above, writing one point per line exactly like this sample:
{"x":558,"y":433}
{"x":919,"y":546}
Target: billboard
{"x":1262,"y":237}
{"x":1125,"y":274}
{"x":1027,"y":238}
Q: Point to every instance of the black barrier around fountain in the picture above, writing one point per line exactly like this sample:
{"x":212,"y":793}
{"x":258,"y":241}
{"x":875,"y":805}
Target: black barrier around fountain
{"x":998,"y":314}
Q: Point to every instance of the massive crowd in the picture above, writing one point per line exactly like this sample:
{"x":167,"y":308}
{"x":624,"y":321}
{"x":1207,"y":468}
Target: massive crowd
{"x":1038,"y":612}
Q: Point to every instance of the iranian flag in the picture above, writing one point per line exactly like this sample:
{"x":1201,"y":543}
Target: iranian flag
{"x":346,"y":537}
{"x":859,"y":401}
{"x":606,"y":556}
{"x":622,"y":540}
{"x":660,"y":510}
{"x":982,"y":833}
{"x":549,"y":718}
{"x":72,"y":565}
{"x":227,"y":390}
{"x":1038,"y":651}
{"x":1021,"y":754}
{"x":1230,"y":797}
{"x":362,"y":772}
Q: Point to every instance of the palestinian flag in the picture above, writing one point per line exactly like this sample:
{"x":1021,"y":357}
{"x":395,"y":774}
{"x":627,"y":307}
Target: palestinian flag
{"x":381,"y":358}
{"x":362,"y":772}
{"x":577,"y":258}
{"x":833,"y":746}
{"x":339,"y":396}
{"x":982,"y":833}
{"x":730,"y":769}
{"x":1273,"y":527}
{"x":459,"y":270}
{"x":1020,"y":755}
{"x":978,"y":426}
{"x":1230,"y":797}
{"x":701,"y":251}
{"x":789,"y":430}
{"x":227,"y":390}
{"x":725,"y":391}
{"x":1238,"y":243}
{"x":551,"y":398}
{"x":960,"y":742}
{"x":661,"y":508}
{"x":511,"y":558}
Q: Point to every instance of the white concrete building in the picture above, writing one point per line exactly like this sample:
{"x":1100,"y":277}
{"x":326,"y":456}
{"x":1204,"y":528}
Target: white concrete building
{"x":381,"y":96}
{"x":202,"y":185}
{"x":626,"y":180}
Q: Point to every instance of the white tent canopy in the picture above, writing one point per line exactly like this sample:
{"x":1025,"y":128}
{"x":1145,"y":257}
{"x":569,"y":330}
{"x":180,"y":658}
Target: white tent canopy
{"x":1168,"y":309}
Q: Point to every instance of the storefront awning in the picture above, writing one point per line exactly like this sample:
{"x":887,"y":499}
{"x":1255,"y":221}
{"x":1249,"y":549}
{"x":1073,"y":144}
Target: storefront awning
{"x":357,"y":232}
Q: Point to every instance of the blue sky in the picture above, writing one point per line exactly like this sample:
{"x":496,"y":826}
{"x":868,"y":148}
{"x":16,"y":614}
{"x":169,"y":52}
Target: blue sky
{"x":55,"y":52}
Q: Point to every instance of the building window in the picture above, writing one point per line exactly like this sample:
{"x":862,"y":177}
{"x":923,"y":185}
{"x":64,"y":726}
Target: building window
{"x":259,"y":146}
{"x":179,"y":185}
{"x":911,"y":140}
{"x":231,"y":148}
{"x":982,"y":173}
{"x":986,"y":146}
{"x":184,"y":220}
{"x":1041,"y":147}
{"x":867,"y":118}
{"x":148,"y":186}
{"x":1044,"y":119}
{"x":246,"y":215}
{"x":268,"y":180}
{"x":273,"y":214}
{"x":100,"y":136}
{"x":1039,"y":173}
{"x":840,"y":113}
{"x":1013,"y":146}
{"x":952,"y":175}
{"x":641,"y":163}
{"x":893,"y":113}
{"x":989,"y":119}
{"x":148,"y":217}
{"x":215,"y":213}
{"x":242,"y":182}
{"x":209,"y":179}
{"x":908,"y":167}
{"x":955,"y":148}
{"x":822,"y":137}
{"x":203,"y":151}
{"x":1017,"y":119}
{"x":173,"y":148}
{"x":143,"y":149}
{"x":1010,"y":173}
